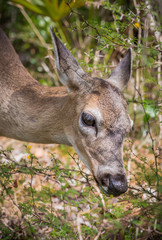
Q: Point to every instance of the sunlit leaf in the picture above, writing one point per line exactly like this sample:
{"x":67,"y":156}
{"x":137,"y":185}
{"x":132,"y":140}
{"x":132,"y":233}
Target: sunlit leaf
{"x":32,"y":7}
{"x":55,"y":9}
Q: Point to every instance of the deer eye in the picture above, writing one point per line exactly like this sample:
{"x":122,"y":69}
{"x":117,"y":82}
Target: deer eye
{"x":88,"y":119}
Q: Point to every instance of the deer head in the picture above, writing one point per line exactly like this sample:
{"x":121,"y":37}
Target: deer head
{"x":98,"y":117}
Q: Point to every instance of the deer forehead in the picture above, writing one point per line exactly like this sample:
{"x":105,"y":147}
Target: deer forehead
{"x":112,"y":109}
{"x":106,"y":106}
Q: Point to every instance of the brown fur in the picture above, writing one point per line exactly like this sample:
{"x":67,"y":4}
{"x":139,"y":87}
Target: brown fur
{"x":35,"y":113}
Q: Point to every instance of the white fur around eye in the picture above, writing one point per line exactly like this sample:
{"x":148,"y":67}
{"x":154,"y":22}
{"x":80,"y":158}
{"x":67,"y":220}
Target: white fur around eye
{"x":95,"y":112}
{"x":86,"y":129}
{"x":132,"y":123}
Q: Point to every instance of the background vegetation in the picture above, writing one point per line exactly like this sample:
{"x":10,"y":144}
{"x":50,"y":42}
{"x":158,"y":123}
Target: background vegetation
{"x":55,"y":197}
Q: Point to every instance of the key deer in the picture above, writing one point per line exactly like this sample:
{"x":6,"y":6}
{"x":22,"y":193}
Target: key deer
{"x":90,"y":114}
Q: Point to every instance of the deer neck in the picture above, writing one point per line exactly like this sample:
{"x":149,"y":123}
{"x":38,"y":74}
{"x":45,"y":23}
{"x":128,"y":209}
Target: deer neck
{"x":29,"y":111}
{"x":36,"y":113}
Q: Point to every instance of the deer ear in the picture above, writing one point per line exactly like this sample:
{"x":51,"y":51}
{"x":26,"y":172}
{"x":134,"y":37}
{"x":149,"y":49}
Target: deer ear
{"x":122,"y":73}
{"x":70,"y":73}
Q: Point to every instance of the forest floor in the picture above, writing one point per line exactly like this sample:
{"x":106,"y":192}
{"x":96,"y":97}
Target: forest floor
{"x":76,"y":208}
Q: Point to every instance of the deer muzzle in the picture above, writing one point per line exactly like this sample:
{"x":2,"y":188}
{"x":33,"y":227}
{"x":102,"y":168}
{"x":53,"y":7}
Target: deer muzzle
{"x":113,"y":184}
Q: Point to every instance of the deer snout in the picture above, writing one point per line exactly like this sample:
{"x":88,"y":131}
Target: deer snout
{"x":113,"y":184}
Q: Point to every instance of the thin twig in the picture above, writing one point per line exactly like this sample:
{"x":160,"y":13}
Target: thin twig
{"x":152,"y":140}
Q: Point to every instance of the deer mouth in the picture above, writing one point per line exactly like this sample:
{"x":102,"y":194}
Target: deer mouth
{"x":112,"y":185}
{"x":108,"y":192}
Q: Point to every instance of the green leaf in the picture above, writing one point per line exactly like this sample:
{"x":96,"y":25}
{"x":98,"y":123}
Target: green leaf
{"x":51,"y":8}
{"x":32,"y":7}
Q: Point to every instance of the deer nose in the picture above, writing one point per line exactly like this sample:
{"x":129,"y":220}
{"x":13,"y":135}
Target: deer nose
{"x":113,"y":184}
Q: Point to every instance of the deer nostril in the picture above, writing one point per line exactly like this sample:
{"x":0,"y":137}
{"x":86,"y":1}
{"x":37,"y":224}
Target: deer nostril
{"x":118,"y":183}
{"x":114,"y":184}
{"x":105,"y":180}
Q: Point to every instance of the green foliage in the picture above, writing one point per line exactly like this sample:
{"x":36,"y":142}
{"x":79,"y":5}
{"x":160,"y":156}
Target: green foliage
{"x":55,"y":9}
{"x":64,"y":203}
{"x":59,"y":198}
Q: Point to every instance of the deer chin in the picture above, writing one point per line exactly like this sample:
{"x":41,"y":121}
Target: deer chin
{"x":108,"y":193}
